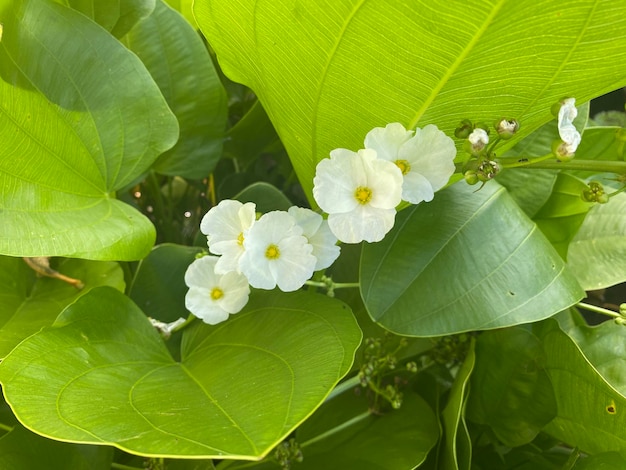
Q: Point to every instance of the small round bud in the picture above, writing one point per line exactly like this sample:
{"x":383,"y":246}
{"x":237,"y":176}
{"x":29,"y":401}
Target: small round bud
{"x":506,"y":128}
{"x":562,"y":151}
{"x":471,"y":177}
{"x":464,"y":130}
{"x":595,"y":193}
{"x":487,"y":170}
{"x":476,"y":141}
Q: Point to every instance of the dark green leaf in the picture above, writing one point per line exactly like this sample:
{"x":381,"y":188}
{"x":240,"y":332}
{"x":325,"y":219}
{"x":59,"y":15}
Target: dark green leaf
{"x":465,"y":261}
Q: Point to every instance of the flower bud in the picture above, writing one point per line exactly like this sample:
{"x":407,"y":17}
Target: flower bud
{"x":476,"y":141}
{"x":506,"y":128}
{"x":471,"y":177}
{"x":487,"y":170}
{"x":595,"y":193}
{"x":562,"y":151}
{"x":464,"y":130}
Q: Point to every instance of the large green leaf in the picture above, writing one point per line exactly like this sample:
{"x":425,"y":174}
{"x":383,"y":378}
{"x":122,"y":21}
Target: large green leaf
{"x":329,"y":71}
{"x":29,"y":302}
{"x":22,"y":450}
{"x":590,"y":412}
{"x":466,"y":261}
{"x":80,"y":118}
{"x":180,"y":64}
{"x":597,"y":254}
{"x":102,"y":375}
{"x":511,"y":391}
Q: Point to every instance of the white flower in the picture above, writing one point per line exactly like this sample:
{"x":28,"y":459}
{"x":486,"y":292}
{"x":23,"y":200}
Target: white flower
{"x":567,"y":131}
{"x":425,"y":157}
{"x":225,"y":225}
{"x":478,"y":139}
{"x":318,"y":233}
{"x":276,"y":253}
{"x":212,"y":297}
{"x":359,"y":192}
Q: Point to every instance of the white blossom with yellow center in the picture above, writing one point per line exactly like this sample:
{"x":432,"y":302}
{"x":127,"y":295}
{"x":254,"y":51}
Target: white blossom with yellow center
{"x":359,"y":192}
{"x":277,"y":254}
{"x":424,"y":156}
{"x":212,"y":297}
{"x":318,"y":233}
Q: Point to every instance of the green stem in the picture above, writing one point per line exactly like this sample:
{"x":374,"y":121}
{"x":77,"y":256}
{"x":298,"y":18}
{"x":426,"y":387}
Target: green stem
{"x":335,"y":285}
{"x":522,"y":162}
{"x":336,"y":429}
{"x":600,"y":310}
{"x":190,"y":319}
{"x":5,"y":427}
{"x":597,"y":166}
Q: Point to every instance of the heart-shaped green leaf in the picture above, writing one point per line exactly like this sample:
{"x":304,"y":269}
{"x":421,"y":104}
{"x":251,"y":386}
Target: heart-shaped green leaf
{"x":465,"y":261}
{"x":29,"y":302}
{"x":77,"y":124}
{"x":329,"y":71}
{"x":102,"y":375}
{"x":116,"y":16}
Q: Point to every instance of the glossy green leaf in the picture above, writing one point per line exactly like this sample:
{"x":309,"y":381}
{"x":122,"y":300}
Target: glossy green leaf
{"x":329,"y":71}
{"x":563,"y":213}
{"x":282,"y":354}
{"x":179,"y":62}
{"x":456,"y":452}
{"x":355,"y":438}
{"x":266,"y":197}
{"x":81,"y":118}
{"x":510,"y":390}
{"x":29,"y":302}
{"x":597,"y":254}
{"x":465,"y":261}
{"x":530,"y":189}
{"x":23,"y":450}
{"x":184,"y":8}
{"x":604,"y":346}
{"x":591,"y":413}
{"x":158,"y":287}
{"x":116,"y":16}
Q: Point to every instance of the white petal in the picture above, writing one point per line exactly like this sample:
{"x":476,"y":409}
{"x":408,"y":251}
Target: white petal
{"x":201,"y":272}
{"x":386,"y":141}
{"x":336,"y":180}
{"x":325,"y":248}
{"x":226,"y":221}
{"x":385,"y":181}
{"x":231,"y":253}
{"x":199,"y":302}
{"x":236,"y":292}
{"x":417,"y":188}
{"x":308,"y":220}
{"x":366,"y":223}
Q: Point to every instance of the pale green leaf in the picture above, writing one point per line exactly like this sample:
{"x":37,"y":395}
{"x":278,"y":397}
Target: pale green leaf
{"x":80,"y":118}
{"x":116,"y":16}
{"x":241,"y":388}
{"x":329,"y":71}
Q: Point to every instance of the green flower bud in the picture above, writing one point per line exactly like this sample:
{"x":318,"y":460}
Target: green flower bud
{"x":506,"y":128}
{"x":471,"y":177}
{"x":487,"y":170}
{"x":464,"y":130}
{"x":561,"y":151}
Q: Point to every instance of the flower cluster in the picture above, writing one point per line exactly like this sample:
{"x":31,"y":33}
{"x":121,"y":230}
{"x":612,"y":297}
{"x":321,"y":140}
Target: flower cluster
{"x":360,"y":192}
{"x":279,"y":249}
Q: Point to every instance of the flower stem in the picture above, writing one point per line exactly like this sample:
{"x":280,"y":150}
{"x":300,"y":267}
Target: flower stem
{"x":5,"y":427}
{"x":343,"y":386}
{"x":189,"y":321}
{"x":336,"y":429}
{"x":119,"y":466}
{"x":600,"y":310}
{"x":597,"y":166}
{"x":522,"y":162}
{"x":335,"y":285}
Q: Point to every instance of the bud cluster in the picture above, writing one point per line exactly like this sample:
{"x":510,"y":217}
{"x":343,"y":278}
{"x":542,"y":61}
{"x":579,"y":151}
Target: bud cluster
{"x":595,"y":193}
{"x":481,"y":165}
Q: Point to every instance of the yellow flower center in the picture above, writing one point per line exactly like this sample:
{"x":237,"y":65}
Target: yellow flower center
{"x":272,"y":252}
{"x":363,"y":194}
{"x":404,"y":166}
{"x":240,"y":239}
{"x":216,"y":293}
